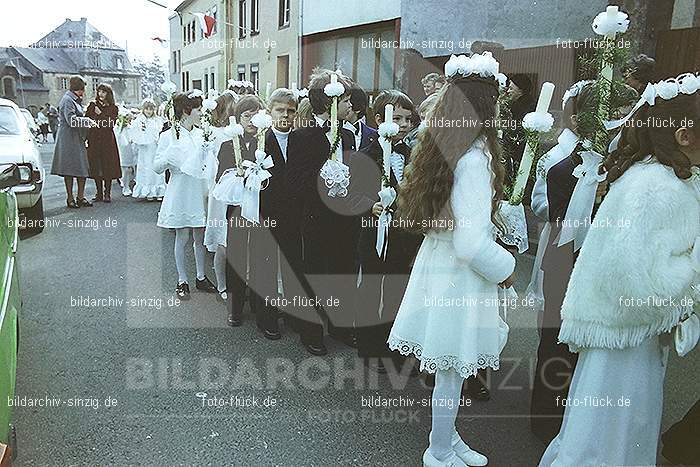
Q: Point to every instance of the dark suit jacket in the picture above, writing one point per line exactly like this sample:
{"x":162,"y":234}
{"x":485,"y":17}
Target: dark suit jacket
{"x":327,"y":227}
{"x":402,"y":245}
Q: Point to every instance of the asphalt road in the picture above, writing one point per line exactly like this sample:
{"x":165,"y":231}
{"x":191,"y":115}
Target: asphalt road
{"x":143,"y":381}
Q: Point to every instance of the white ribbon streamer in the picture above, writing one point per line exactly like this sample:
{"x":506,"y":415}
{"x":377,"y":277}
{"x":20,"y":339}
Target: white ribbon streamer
{"x":515,"y":226}
{"x":578,"y":215}
{"x":255,"y":174}
{"x":387,"y":196}
{"x":648,"y":97}
{"x":535,"y":291}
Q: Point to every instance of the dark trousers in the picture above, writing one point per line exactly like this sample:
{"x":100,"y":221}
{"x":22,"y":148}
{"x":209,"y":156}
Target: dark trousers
{"x":373,"y":329}
{"x":263,"y":282}
{"x":236,"y":262}
{"x":555,"y":364}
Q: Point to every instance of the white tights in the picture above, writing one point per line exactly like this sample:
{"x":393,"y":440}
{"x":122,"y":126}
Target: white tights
{"x":182,"y":236}
{"x":220,"y":268}
{"x":445,"y":404}
{"x":127,"y":176}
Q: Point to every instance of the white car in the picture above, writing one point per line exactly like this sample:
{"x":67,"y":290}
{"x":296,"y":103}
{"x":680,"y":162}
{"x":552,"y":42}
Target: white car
{"x":31,"y":122}
{"x":17,"y":146}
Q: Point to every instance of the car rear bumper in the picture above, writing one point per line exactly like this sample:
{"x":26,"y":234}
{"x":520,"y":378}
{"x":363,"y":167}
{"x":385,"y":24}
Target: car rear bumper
{"x":28,"y":194}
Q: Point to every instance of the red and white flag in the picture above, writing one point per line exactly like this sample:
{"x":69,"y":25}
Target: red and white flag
{"x":206,"y":22}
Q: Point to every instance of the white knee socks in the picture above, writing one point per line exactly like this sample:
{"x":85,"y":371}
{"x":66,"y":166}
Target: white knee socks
{"x":200,"y":251}
{"x":220,"y":268}
{"x":182,"y":236}
{"x":445,"y":405}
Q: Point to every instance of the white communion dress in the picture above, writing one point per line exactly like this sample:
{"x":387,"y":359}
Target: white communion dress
{"x":144,"y":132}
{"x":185,"y":200}
{"x":449,"y":314}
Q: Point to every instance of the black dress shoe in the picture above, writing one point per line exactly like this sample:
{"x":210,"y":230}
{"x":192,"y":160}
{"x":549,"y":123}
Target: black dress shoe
{"x":317,"y":350}
{"x":83,"y":203}
{"x":72,"y":204}
{"x":375,"y":364}
{"x":235,"y":320}
{"x":475,"y":390}
{"x":183,"y":291}
{"x":347,"y":338}
{"x":272,"y":334}
{"x":205,"y":285}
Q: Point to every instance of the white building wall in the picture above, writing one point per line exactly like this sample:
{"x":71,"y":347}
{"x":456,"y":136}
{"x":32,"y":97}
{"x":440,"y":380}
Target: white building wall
{"x":327,"y":15}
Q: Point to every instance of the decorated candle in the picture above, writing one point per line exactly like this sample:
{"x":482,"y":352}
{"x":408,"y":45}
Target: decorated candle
{"x":334,"y":114}
{"x":236,"y":142}
{"x":388,"y":118}
{"x":529,"y":154}
{"x":545,"y":97}
{"x":268,"y":90}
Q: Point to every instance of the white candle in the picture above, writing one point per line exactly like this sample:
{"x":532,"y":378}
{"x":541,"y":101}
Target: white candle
{"x":232,"y":120}
{"x":294,"y":86}
{"x":268,"y":90}
{"x":388,"y":113}
{"x":236,"y":143}
{"x":545,"y":97}
{"x":334,"y":78}
{"x":612,"y":11}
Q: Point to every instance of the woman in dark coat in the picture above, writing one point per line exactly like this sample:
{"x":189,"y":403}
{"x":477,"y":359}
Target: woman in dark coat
{"x":70,"y":158}
{"x":102,"y":152}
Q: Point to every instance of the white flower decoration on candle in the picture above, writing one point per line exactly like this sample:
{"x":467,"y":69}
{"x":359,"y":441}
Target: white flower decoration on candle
{"x":540,"y":122}
{"x":334,"y":89}
{"x":261,"y":120}
{"x":388,"y":129}
{"x":667,"y":89}
{"x":168,"y":87}
{"x":209,"y":104}
{"x":688,"y":83}
{"x":611,"y":21}
{"x":234,"y":129}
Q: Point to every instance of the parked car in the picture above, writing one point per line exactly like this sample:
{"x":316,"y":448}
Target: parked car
{"x":17,"y":146}
{"x":11,"y":175}
{"x":31,"y":122}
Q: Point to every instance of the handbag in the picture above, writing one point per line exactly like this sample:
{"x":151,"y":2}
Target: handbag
{"x":687,"y":334}
{"x":504,"y":296}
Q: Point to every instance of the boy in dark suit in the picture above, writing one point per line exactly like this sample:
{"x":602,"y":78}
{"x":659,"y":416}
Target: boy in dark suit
{"x":391,"y":272}
{"x":321,"y":230}
{"x":265,"y":240}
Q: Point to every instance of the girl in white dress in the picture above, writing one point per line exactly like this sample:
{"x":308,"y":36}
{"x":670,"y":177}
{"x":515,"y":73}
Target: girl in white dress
{"x":635,"y":271}
{"x":144,"y":132}
{"x":215,"y":232}
{"x":184,"y":205}
{"x":127,"y":154}
{"x":449,"y":315}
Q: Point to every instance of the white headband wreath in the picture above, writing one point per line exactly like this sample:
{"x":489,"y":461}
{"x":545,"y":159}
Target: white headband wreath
{"x":240,"y":84}
{"x":483,"y":65}
{"x":195,"y":93}
{"x":686,"y":83}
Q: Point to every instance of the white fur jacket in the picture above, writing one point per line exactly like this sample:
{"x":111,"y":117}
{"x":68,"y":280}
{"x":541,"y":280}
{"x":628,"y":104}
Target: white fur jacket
{"x":638,"y":263}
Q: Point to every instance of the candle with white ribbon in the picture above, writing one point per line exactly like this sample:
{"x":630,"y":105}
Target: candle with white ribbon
{"x":236,"y":142}
{"x":334,"y":115}
{"x":294,"y":87}
{"x":529,"y":154}
{"x":268,"y":90}
{"x":388,"y":117}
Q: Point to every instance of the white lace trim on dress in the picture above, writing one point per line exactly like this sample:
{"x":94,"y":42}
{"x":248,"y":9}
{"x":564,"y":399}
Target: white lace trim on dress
{"x":444,"y":362}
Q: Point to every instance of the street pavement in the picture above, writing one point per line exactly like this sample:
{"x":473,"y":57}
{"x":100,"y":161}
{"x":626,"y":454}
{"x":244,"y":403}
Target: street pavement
{"x":143,"y":380}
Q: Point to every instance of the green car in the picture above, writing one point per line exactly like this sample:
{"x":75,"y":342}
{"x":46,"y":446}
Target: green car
{"x":10,"y":297}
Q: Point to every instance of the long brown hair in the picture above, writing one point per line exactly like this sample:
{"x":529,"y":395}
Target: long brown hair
{"x":465,"y":110}
{"x":644,"y":136}
{"x":109,"y":98}
{"x":225,"y":105}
